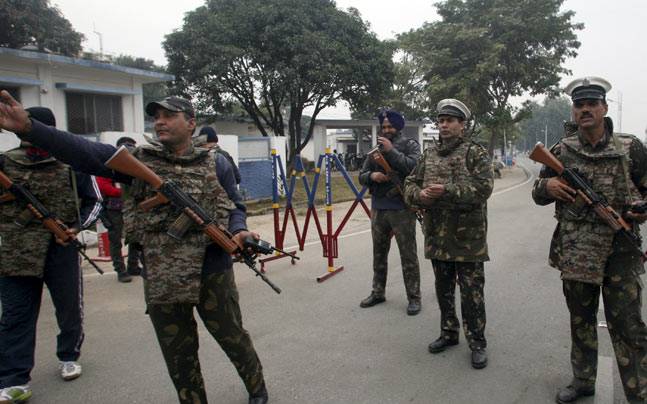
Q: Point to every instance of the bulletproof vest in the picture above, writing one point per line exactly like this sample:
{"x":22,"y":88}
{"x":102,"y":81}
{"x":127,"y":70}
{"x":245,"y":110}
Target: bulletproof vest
{"x":604,"y":171}
{"x":23,"y":249}
{"x":453,"y":231}
{"x":581,"y":232}
{"x":173,"y":267}
{"x":446,"y":166}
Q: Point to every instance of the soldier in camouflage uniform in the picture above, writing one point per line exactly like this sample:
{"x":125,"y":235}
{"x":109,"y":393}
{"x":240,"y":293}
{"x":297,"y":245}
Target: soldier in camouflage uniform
{"x":452,"y":182}
{"x":389,"y":215}
{"x":590,"y":256}
{"x":30,"y":258}
{"x":180,"y":274}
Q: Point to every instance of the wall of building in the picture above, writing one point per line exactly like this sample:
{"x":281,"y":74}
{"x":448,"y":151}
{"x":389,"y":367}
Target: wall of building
{"x":47,"y":95}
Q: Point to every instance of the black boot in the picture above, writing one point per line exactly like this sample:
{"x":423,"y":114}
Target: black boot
{"x":124,"y":277}
{"x":573,"y":392}
{"x":479,"y":358}
{"x":414,"y":307}
{"x":260,"y":397}
{"x":442,"y":343}
{"x":372,"y":300}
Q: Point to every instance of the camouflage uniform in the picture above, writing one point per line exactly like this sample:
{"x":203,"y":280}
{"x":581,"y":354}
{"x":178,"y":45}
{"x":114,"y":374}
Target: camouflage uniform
{"x":31,"y":259}
{"x":180,"y":274}
{"x":390,"y":217}
{"x":455,"y":227}
{"x":175,"y":282}
{"x":591,"y":257}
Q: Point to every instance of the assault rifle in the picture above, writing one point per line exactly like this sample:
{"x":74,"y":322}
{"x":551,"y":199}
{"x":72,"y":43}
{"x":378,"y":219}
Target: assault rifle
{"x":597,"y":202}
{"x":191,"y":213}
{"x":377,"y":156}
{"x":36,"y":210}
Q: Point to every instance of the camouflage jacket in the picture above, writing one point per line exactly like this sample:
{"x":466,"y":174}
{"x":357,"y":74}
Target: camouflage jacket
{"x":455,"y":224}
{"x":174,"y":267}
{"x":402,"y":158}
{"x":582,"y":242}
{"x":23,"y":250}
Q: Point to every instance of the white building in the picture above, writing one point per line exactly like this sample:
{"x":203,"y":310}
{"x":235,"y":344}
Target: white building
{"x":86,"y":96}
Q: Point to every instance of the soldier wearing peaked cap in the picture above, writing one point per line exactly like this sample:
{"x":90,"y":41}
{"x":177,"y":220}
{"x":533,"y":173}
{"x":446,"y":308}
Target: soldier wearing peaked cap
{"x":592,"y":258}
{"x":452,"y":182}
{"x":389,"y":215}
{"x":181,"y":276}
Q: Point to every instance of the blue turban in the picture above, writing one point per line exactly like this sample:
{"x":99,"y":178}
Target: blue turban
{"x":396,"y":119}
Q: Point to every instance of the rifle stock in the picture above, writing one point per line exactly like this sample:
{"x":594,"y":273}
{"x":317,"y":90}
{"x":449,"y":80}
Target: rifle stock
{"x":125,"y":163}
{"x":596,"y":201}
{"x":379,"y":159}
{"x":542,"y":155}
{"x":191,"y":213}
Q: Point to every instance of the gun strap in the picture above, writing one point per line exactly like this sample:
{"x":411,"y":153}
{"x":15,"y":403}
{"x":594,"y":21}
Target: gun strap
{"x":625,"y":166}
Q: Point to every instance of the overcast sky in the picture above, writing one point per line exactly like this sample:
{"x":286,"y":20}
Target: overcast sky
{"x":612,"y":40}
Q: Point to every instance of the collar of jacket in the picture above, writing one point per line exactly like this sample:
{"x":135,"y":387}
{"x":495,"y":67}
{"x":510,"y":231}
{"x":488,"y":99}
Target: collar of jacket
{"x":449,"y":145}
{"x":159,"y":150}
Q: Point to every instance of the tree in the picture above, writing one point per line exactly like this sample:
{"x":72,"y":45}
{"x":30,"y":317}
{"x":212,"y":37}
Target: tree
{"x":277,"y":58}
{"x":151,"y":91}
{"x":27,"y":22}
{"x":485,"y":52}
{"x":545,"y":119}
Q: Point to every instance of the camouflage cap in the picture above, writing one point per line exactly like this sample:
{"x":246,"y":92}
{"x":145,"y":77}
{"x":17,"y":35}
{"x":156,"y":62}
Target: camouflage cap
{"x":453,"y":107}
{"x":588,"y":88}
{"x":173,"y":103}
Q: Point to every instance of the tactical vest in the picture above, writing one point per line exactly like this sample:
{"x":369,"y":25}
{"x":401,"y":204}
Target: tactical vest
{"x":174,"y":267}
{"x":453,"y":232}
{"x":585,"y":241}
{"x":23,"y":249}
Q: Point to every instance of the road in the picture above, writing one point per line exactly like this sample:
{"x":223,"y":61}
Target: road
{"x":318,"y":346}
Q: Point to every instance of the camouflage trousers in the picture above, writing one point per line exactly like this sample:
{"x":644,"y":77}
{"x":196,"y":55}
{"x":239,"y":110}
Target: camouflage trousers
{"x":621,"y":294}
{"x":471,"y":280}
{"x":402,"y":224}
{"x":177,"y":334}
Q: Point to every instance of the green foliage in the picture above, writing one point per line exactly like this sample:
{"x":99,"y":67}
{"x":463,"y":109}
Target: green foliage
{"x":485,"y":52}
{"x":152,"y":91}
{"x":551,"y":115}
{"x":27,"y":22}
{"x":276,"y":58}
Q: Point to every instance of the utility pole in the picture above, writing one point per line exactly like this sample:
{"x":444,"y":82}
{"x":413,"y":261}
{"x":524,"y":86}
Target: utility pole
{"x":619,"y":111}
{"x":100,"y":35}
{"x":546,"y":136}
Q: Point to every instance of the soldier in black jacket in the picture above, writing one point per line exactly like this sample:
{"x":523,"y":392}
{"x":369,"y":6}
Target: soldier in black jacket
{"x":390,"y":216}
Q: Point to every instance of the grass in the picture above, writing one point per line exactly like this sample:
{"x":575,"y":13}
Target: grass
{"x":341,"y":192}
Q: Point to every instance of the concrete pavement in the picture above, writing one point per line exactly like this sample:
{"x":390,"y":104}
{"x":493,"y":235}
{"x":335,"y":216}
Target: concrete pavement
{"x":318,"y":346}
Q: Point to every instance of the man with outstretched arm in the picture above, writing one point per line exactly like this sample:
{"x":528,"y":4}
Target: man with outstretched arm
{"x":180,"y":274}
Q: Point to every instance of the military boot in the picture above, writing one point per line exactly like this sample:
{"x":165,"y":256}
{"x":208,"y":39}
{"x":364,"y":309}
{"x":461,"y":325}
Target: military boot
{"x":260,"y":397}
{"x":479,"y":358}
{"x":574,"y":391}
{"x":442,"y":343}
{"x":372,"y":300}
{"x":124,"y":277}
{"x":414,"y":307}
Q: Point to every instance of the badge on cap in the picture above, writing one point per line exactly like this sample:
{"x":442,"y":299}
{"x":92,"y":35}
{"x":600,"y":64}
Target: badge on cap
{"x":590,"y":87}
{"x":453,"y":107}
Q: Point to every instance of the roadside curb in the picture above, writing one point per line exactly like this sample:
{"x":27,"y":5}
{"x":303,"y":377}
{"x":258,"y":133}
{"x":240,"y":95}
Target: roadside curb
{"x":516,"y":184}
